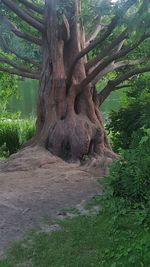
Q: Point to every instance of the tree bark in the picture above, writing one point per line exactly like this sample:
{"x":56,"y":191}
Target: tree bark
{"x":69,"y":123}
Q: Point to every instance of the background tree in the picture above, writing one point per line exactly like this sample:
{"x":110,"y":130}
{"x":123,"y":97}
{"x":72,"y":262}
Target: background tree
{"x":81,"y":43}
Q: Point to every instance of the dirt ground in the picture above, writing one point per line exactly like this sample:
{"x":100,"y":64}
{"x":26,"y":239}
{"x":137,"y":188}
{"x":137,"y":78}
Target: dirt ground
{"x":34,"y":187}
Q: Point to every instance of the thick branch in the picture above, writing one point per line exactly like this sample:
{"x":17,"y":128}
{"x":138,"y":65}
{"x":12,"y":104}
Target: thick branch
{"x":13,"y":64}
{"x":112,"y":85}
{"x":20,"y":34}
{"x":30,"y":75}
{"x":119,"y":46}
{"x":26,"y":36}
{"x":32,"y":6}
{"x":65,"y":29}
{"x":107,"y":50}
{"x":125,"y":63}
{"x":110,"y":59}
{"x":99,"y":27}
{"x":102,"y":38}
{"x":24,"y":58}
{"x":122,"y":86}
{"x":32,"y":14}
{"x":23,"y":15}
{"x":116,"y":65}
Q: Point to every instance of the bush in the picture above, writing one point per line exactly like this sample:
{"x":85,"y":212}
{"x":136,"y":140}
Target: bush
{"x":26,"y":130}
{"x":130,"y":177}
{"x":4,"y":153}
{"x":134,"y":115}
{"x":9,"y":135}
{"x":13,"y":133}
{"x":122,"y":126}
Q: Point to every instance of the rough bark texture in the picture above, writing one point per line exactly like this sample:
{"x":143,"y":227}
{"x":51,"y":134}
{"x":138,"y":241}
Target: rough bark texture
{"x":69,"y":123}
{"x":68,"y":120}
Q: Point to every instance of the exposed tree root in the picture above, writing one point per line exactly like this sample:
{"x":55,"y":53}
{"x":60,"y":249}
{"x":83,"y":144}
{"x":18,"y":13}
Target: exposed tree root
{"x":37,"y":157}
{"x":29,"y":158}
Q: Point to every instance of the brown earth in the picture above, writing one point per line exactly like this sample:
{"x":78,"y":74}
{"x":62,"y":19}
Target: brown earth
{"x":35,"y":186}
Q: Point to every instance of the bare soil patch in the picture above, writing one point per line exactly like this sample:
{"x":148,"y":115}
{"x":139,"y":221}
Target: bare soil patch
{"x":35,"y":186}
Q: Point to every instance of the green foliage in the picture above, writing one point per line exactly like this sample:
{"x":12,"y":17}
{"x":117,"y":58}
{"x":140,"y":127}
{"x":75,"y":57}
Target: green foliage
{"x":13,"y":133}
{"x":94,"y":8}
{"x":4,"y":153}
{"x":10,"y":42}
{"x":26,"y":130}
{"x":9,"y":136}
{"x":135,"y":114}
{"x":130,"y":177}
{"x":8,"y":87}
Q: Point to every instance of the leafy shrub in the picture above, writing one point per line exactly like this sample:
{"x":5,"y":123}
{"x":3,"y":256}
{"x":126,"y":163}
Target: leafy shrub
{"x":124,"y":123}
{"x":8,"y":87}
{"x":13,"y":133}
{"x":130,"y":177}
{"x":4,"y":153}
{"x":26,"y":130}
{"x":134,"y":115}
{"x":9,"y":135}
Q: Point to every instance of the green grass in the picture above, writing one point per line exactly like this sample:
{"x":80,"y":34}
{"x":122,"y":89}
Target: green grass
{"x":102,"y":240}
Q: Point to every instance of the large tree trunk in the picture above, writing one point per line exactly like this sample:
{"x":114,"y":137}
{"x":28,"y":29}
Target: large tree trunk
{"x":68,"y":120}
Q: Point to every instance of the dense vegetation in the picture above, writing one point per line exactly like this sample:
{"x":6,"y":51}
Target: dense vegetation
{"x":14,"y":133}
{"x":128,"y":124}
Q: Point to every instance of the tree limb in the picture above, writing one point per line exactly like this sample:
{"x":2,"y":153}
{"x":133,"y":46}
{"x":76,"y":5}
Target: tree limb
{"x":112,"y":85}
{"x":30,"y":75}
{"x":23,"y":15}
{"x":116,"y":65}
{"x":65,"y":29}
{"x":20,"y":34}
{"x":97,"y":30}
{"x":107,"y":50}
{"x":119,"y":46}
{"x":102,"y":38}
{"x":13,"y":64}
{"x":24,"y":58}
{"x":32,"y":6}
{"x":110,"y":59}
{"x":31,"y":14}
{"x":122,"y":86}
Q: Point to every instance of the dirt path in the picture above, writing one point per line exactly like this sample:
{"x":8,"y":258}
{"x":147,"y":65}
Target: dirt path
{"x":31,"y":196}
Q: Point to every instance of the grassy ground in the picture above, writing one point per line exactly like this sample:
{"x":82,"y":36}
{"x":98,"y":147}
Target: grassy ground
{"x":103,"y":240}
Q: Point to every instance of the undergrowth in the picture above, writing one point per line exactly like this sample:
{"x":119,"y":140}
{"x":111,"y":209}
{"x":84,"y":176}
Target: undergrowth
{"x":13,"y":133}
